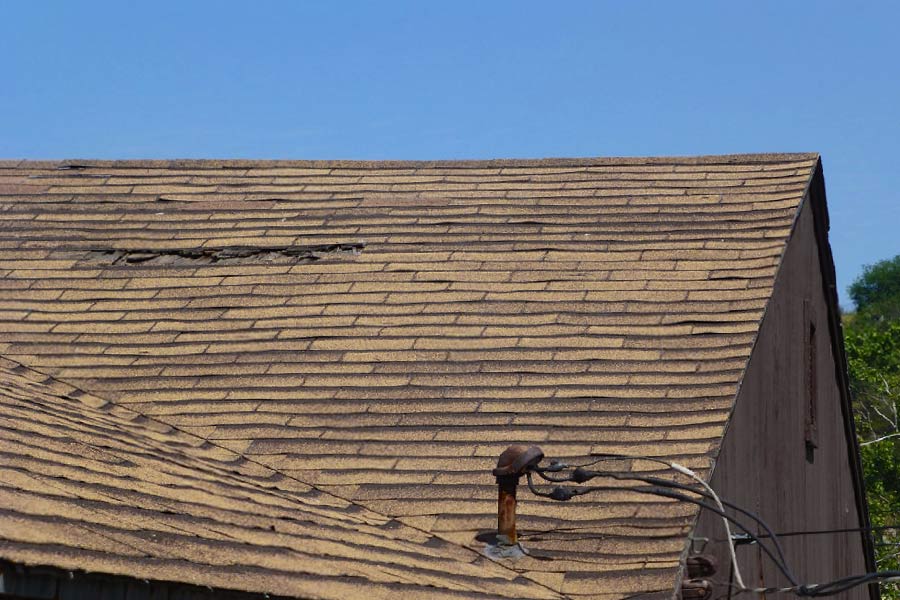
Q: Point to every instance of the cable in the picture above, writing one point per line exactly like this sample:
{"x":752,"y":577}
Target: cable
{"x":701,"y":481}
{"x":730,"y":580}
{"x":817,"y":590}
{"x":686,"y":471}
{"x":712,"y":495}
{"x":664,"y":487}
{"x":563,"y":494}
{"x":580,"y":475}
{"x":843,"y":530}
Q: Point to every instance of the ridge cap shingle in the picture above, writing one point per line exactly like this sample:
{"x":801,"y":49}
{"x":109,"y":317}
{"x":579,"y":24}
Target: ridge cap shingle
{"x":707,"y":159}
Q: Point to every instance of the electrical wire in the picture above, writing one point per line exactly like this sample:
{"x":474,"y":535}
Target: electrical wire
{"x":718,"y":501}
{"x":580,"y":475}
{"x":769,"y":533}
{"x":674,"y":484}
{"x":730,"y":581}
{"x":818,"y":590}
{"x":842,"y":530}
{"x":662,"y":487}
{"x":563,"y":494}
{"x":686,"y":471}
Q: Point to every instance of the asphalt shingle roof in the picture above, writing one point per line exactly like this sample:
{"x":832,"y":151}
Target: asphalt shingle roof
{"x":373,"y":334}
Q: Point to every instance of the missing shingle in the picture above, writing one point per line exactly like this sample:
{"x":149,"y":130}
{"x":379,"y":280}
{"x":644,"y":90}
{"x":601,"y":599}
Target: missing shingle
{"x":223,"y":255}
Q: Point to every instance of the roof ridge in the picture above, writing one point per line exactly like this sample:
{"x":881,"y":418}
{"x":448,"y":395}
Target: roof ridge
{"x":704,"y":159}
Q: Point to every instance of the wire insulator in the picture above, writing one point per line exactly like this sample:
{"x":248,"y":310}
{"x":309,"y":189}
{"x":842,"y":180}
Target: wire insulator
{"x":562,"y":493}
{"x":580,"y":475}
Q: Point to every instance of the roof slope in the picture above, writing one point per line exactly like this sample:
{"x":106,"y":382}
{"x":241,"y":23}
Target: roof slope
{"x":91,"y":486}
{"x":384,"y":330}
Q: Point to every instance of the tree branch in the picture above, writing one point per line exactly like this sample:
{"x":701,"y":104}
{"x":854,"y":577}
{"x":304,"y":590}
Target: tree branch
{"x":881,"y":439}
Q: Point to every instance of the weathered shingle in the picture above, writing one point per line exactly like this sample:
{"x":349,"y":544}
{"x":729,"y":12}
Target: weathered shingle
{"x":595,"y":305}
{"x":89,"y":485}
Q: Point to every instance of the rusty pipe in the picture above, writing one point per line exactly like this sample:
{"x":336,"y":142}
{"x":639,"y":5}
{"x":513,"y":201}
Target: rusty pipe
{"x":513,"y":462}
{"x":506,"y":510}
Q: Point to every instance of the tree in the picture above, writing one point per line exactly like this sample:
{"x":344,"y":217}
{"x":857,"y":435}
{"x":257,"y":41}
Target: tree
{"x":872,"y":341}
{"x":876,"y":292}
{"x":873,"y":357}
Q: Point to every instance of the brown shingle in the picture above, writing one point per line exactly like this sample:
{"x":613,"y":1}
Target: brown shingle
{"x":583,"y":304}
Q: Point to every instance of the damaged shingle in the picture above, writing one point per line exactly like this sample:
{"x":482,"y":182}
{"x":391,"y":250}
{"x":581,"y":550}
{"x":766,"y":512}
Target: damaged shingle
{"x":226,"y":254}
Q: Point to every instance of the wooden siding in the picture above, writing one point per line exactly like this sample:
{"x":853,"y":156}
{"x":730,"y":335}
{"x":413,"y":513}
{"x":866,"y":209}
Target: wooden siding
{"x":43,"y":583}
{"x":764,"y":463}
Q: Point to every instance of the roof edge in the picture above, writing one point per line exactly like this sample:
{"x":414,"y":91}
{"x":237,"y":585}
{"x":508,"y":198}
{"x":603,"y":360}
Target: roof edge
{"x":762,"y":317}
{"x":676,"y":160}
{"x":727,"y":426}
{"x":816,"y":196}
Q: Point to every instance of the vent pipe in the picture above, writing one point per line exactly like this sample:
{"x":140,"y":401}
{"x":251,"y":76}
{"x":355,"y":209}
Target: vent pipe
{"x":514,"y":462}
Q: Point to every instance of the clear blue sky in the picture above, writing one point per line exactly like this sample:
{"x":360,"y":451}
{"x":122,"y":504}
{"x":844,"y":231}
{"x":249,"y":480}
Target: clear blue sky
{"x":462,"y":79}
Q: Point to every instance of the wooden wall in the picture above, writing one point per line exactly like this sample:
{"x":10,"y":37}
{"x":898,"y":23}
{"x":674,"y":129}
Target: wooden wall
{"x":764,"y":463}
{"x":18,"y":582}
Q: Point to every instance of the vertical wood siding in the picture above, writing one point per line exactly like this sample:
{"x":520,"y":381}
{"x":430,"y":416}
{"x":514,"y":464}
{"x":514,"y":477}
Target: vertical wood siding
{"x":765,"y":463}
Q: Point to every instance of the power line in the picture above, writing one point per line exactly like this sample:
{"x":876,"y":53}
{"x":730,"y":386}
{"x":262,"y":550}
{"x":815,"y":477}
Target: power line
{"x":563,"y":493}
{"x":828,"y":531}
{"x":580,"y":474}
{"x":816,"y":590}
{"x":664,"y":488}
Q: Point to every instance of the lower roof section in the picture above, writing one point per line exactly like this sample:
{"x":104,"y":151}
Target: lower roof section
{"x":89,"y":486}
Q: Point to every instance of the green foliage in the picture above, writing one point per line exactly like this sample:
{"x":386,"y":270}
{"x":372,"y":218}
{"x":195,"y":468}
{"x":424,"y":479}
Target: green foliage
{"x":873,"y":358}
{"x":880,"y":467}
{"x":872,"y":341}
{"x":876,"y":292}
{"x":882,"y":474}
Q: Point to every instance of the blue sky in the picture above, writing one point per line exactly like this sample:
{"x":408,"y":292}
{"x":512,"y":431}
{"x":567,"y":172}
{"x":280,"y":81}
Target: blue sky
{"x":469,"y":80}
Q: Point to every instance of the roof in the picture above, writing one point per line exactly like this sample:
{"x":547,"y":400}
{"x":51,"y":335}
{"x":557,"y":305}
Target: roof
{"x":374,"y":334}
{"x":92,"y":486}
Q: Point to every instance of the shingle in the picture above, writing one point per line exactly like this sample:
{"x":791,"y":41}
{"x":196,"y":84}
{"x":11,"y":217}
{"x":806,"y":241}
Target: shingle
{"x":561,"y":302}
